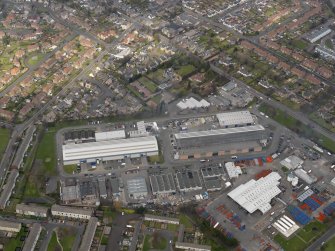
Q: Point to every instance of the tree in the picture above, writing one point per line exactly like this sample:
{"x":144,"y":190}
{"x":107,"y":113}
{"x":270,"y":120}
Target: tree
{"x":6,"y":40}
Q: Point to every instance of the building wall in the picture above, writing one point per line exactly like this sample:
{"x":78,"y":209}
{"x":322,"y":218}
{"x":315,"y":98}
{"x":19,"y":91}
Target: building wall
{"x":115,"y":157}
{"x":71,"y":215}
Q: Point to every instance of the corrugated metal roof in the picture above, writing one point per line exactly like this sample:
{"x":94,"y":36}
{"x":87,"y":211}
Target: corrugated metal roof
{"x":110,"y":148}
{"x":235,"y":118}
{"x":244,"y":129}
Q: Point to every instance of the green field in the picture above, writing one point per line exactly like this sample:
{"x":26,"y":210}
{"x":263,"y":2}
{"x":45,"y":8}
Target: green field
{"x":329,"y":246}
{"x":53,"y":244}
{"x":185,"y":70}
{"x":298,"y":127}
{"x":46,"y":152}
{"x":157,"y":159}
{"x":300,"y":44}
{"x":154,"y":241}
{"x":4,"y":138}
{"x":14,"y":243}
{"x":151,"y":86}
{"x":34,"y":59}
{"x":329,"y":44}
{"x":185,"y":220}
{"x":66,"y":237}
{"x":303,"y":238}
{"x":70,"y":168}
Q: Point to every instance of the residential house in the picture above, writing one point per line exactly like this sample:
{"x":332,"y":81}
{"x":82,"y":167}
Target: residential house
{"x":8,"y":115}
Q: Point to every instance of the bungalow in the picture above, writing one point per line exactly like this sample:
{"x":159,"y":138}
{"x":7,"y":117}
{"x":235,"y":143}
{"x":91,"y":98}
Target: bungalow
{"x":310,"y":64}
{"x":48,"y":89}
{"x":2,"y":34}
{"x":19,"y":53}
{"x":6,"y":79}
{"x":312,"y":79}
{"x":49,"y":63}
{"x":40,"y":73}
{"x":14,"y":71}
{"x":25,"y":110}
{"x":89,"y":53}
{"x":33,"y":47}
{"x":325,"y":72}
{"x":4,"y":101}
{"x":67,"y":70}
{"x":8,"y":115}
{"x":38,"y":98}
{"x":86,"y":42}
{"x":297,"y":72}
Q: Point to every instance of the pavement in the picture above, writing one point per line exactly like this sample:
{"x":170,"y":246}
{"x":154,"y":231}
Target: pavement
{"x":119,"y":225}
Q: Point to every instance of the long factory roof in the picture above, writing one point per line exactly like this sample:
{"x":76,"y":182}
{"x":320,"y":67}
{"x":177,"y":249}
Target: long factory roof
{"x":110,"y":148}
{"x":225,"y":131}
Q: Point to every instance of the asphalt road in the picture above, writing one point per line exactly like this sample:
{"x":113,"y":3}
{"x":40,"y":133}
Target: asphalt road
{"x":324,"y":238}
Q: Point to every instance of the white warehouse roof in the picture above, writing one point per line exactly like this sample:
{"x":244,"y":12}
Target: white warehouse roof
{"x":235,"y":118}
{"x":110,"y":148}
{"x":292,"y":162}
{"x":192,"y":103}
{"x":102,"y":136}
{"x":184,"y":135}
{"x":258,"y":194}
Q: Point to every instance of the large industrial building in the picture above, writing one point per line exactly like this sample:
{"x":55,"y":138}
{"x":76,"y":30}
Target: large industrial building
{"x":257,"y":195}
{"x":220,"y":136}
{"x":162,"y":183}
{"x":235,"y":119}
{"x":109,"y":150}
{"x":137,"y":188}
{"x":317,"y":34}
{"x":188,"y":181}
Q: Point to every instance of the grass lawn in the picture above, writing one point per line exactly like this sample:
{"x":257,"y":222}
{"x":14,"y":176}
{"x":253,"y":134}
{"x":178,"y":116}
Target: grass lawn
{"x":185,"y":70}
{"x":104,"y":240}
{"x":70,"y":168}
{"x":66,"y":237}
{"x":31,"y":189}
{"x":46,"y":152}
{"x":53,"y":244}
{"x":157,"y":99}
{"x":34,"y":59}
{"x":329,"y":44}
{"x":321,"y":122}
{"x":154,"y":241}
{"x":329,"y":246}
{"x":185,"y":220}
{"x":151,"y":86}
{"x":108,"y":214}
{"x":15,"y":242}
{"x":4,"y":138}
{"x":293,"y":244}
{"x":298,"y":43}
{"x":157,"y":75}
{"x":303,"y":238}
{"x":172,"y":227}
{"x":146,"y":244}
{"x":156,"y":159}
